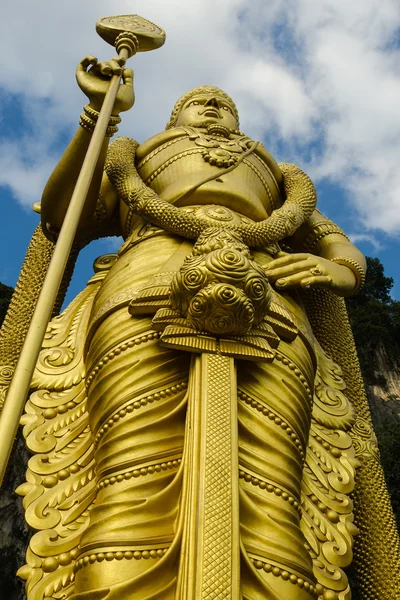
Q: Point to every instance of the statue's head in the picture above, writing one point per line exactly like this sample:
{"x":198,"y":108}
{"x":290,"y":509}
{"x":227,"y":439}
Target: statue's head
{"x":203,"y":106}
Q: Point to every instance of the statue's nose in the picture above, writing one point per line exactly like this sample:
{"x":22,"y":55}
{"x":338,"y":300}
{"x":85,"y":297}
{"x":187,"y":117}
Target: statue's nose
{"x":212,"y":102}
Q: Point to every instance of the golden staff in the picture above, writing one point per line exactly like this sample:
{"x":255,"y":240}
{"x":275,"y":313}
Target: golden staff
{"x":129,"y":34}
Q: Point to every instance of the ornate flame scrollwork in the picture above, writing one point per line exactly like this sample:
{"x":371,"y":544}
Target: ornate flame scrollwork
{"x":6,"y":373}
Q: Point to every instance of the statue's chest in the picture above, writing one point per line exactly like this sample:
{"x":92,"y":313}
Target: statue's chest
{"x":197,"y":168}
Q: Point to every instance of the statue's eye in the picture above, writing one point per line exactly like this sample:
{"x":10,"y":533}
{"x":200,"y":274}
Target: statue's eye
{"x":195,"y":102}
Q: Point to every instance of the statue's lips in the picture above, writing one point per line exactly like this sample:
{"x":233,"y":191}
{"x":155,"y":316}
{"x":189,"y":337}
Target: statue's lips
{"x":211,"y":112}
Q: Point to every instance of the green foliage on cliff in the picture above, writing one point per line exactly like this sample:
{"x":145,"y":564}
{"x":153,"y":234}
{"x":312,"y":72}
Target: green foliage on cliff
{"x":5,"y":297}
{"x":389,"y":445}
{"x":375,"y":320}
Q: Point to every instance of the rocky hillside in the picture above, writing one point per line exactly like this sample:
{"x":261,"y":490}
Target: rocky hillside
{"x":375,"y":319}
{"x":14,"y":533}
{"x":384,"y":396}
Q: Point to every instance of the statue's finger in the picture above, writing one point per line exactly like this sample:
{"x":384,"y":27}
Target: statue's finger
{"x":292,"y":280}
{"x":316,"y":281}
{"x":105,"y":69}
{"x":286,"y":260}
{"x":289,"y":269}
{"x":127,"y":76}
{"x":115,"y":66}
{"x":81,"y":70}
{"x":120,"y":60}
{"x":85,"y":63}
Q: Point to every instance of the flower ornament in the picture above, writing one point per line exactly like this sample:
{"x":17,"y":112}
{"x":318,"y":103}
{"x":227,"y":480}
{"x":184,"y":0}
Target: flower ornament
{"x":220,"y":157}
{"x":219,"y":288}
{"x":221,"y":308}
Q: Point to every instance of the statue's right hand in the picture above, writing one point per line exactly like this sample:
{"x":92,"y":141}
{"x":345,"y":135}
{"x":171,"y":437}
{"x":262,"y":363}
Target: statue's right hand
{"x":95,"y":81}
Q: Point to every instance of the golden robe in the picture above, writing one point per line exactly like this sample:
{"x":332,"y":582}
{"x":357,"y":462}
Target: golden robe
{"x":109,"y":490}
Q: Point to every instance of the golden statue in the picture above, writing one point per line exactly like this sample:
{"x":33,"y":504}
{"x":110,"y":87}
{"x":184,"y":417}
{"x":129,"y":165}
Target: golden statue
{"x":197,"y":415}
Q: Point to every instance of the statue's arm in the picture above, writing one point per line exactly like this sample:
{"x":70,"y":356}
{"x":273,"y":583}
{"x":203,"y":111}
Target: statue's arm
{"x":320,"y":236}
{"x":324,"y":257}
{"x":60,"y":186}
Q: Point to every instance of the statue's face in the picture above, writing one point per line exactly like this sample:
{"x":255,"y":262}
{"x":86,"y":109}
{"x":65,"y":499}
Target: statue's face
{"x":203,"y":109}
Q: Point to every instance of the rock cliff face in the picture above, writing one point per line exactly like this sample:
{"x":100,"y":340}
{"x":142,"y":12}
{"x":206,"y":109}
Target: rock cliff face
{"x":14,"y":533}
{"x":384,"y":398}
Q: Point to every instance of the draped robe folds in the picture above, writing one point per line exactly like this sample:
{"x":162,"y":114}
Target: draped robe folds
{"x":124,"y":522}
{"x":137,"y":403}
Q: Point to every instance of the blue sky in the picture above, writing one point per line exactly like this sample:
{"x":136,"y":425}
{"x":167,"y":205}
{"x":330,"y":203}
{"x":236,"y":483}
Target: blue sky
{"x":317,"y":82}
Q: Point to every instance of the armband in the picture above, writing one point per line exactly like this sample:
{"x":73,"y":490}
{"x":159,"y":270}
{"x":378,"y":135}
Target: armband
{"x":318,"y":232}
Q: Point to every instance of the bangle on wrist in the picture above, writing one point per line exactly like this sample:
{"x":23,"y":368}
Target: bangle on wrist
{"x":94,"y":115}
{"x":89,"y":117}
{"x":355,"y":267}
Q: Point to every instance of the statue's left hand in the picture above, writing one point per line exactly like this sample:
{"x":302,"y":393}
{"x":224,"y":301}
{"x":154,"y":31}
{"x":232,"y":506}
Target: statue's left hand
{"x":307,"y":270}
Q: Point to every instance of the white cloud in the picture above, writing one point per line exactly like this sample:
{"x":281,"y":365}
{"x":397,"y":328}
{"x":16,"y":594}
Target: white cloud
{"x":370,"y":239}
{"x":354,"y":80}
{"x":323,"y":72}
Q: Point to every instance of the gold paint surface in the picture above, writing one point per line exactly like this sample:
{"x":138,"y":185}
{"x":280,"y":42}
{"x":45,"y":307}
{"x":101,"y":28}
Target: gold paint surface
{"x":182,"y":457}
{"x":210,"y":544}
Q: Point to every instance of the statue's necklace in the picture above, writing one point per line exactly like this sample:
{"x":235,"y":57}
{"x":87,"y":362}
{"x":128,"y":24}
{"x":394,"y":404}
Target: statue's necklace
{"x":219,"y":149}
